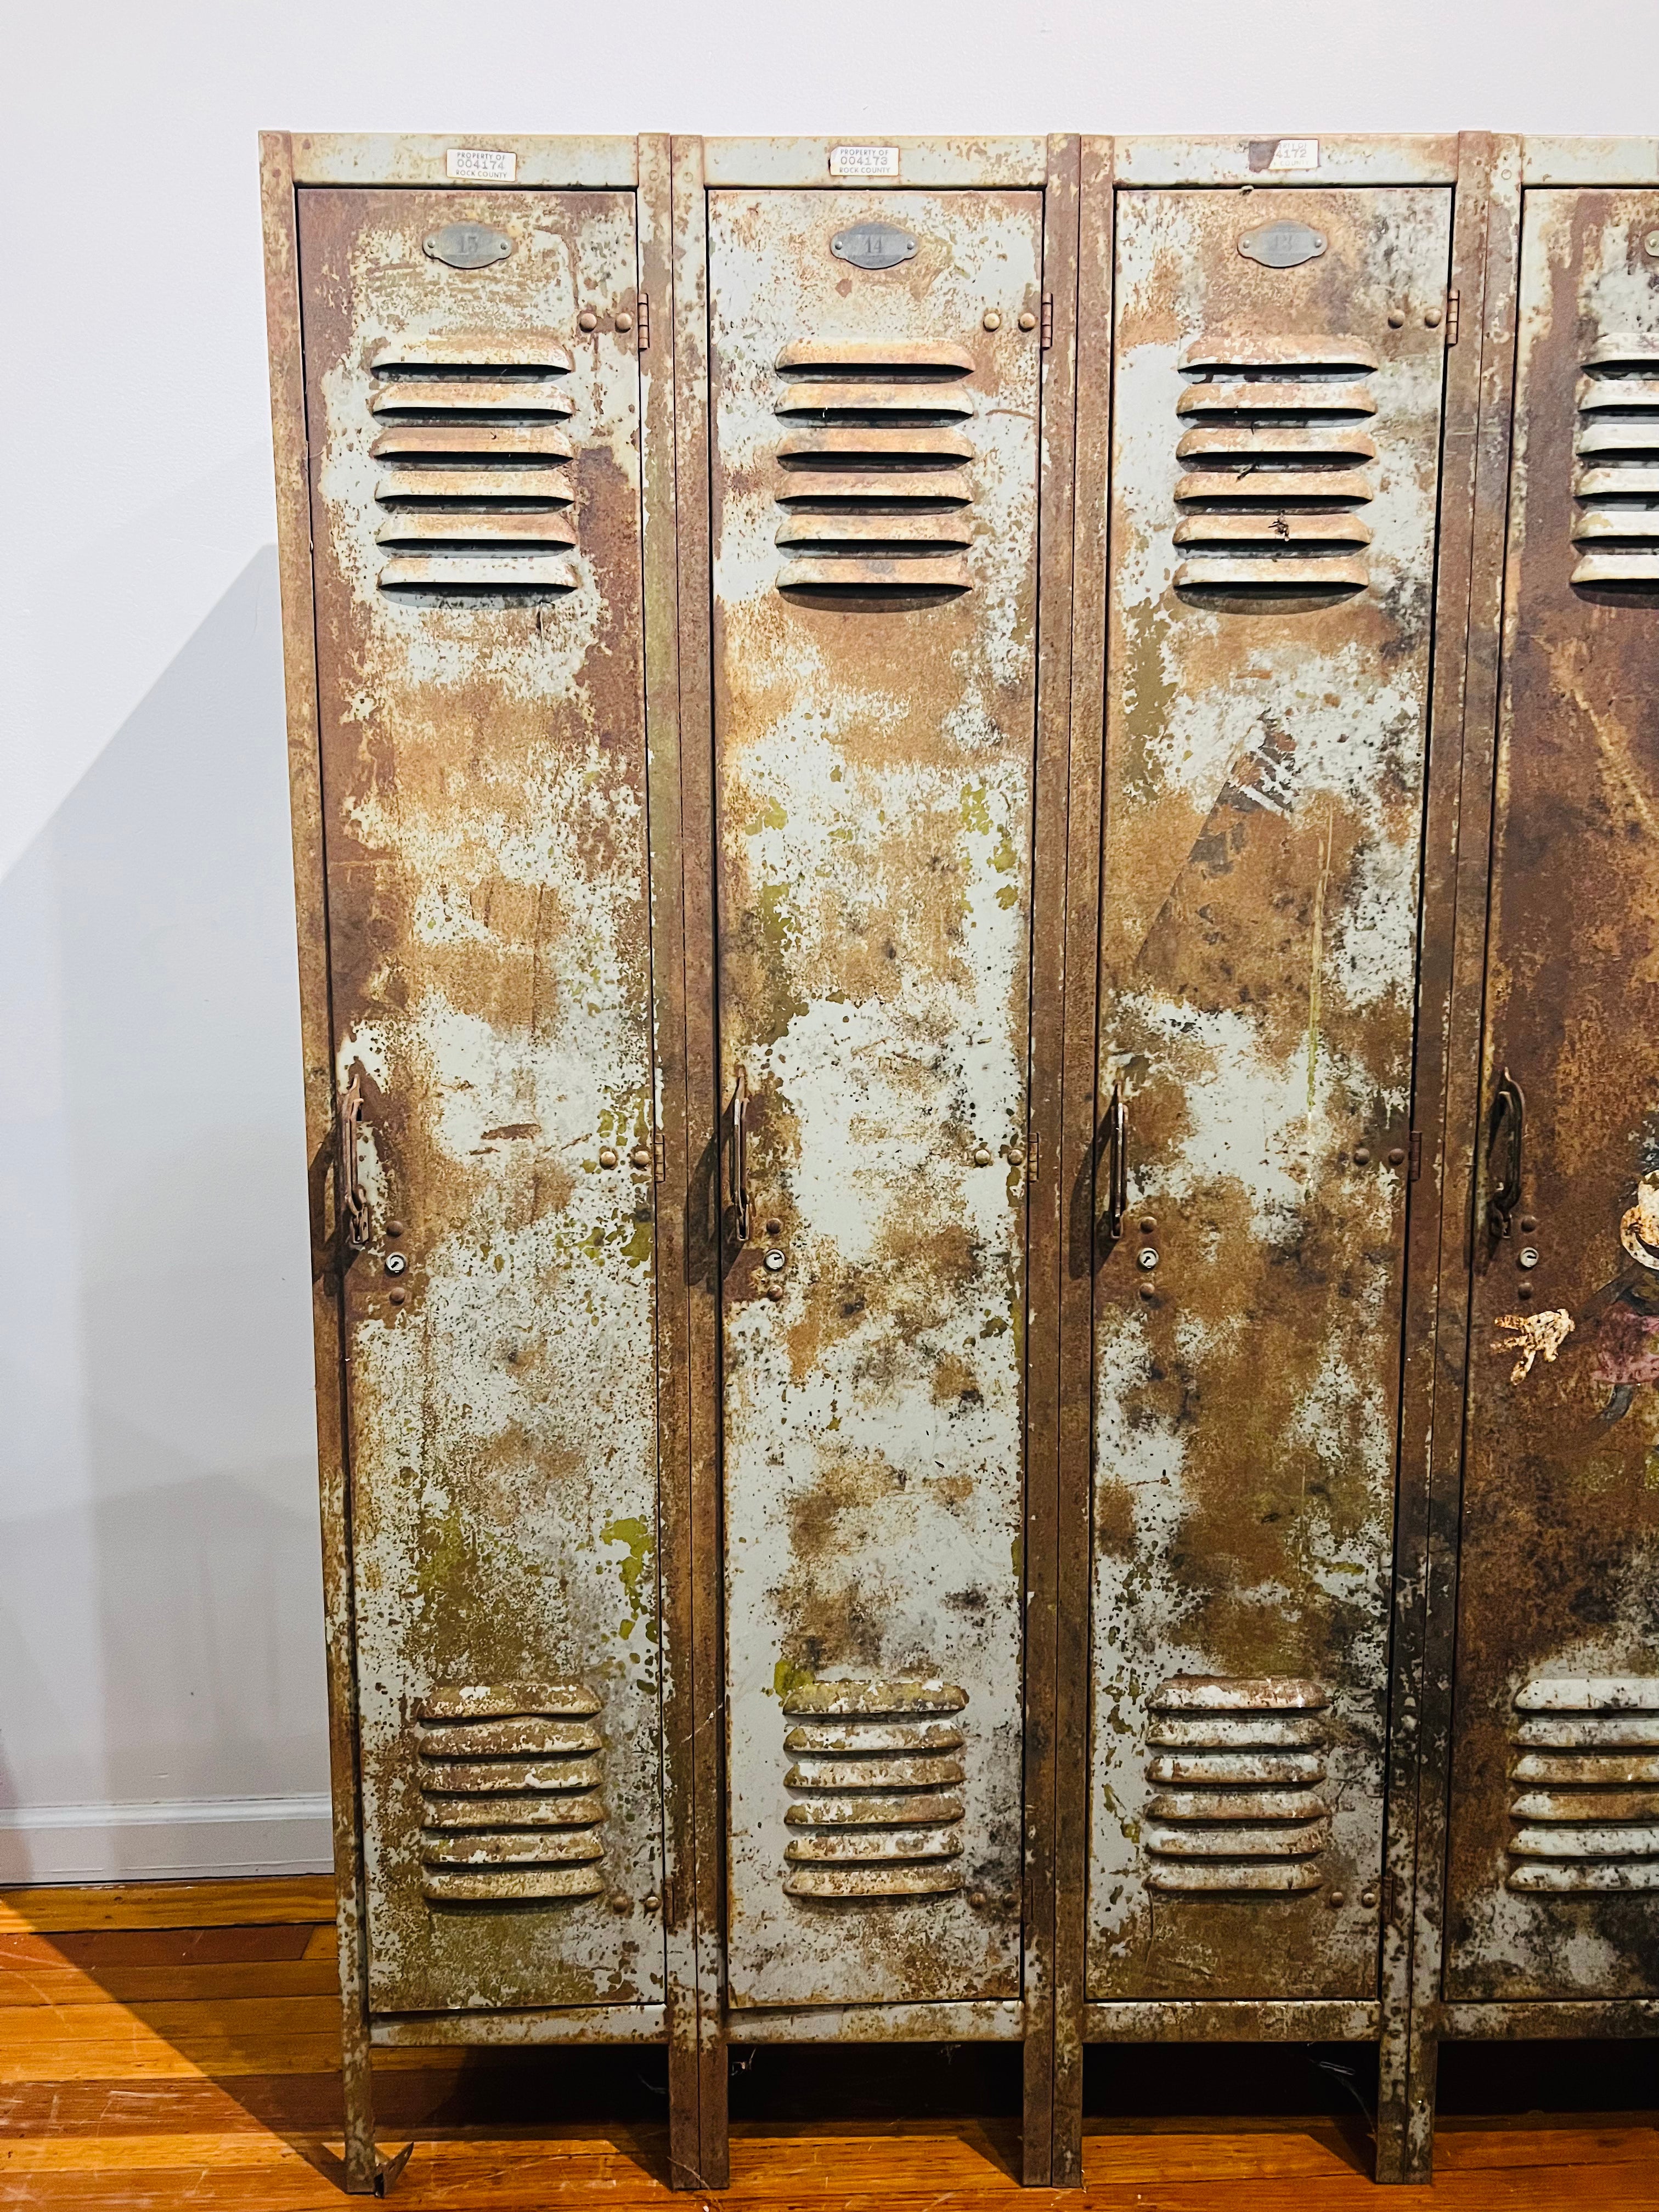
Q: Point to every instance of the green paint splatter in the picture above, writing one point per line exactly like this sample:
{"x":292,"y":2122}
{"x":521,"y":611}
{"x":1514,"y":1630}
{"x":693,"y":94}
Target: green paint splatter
{"x":771,"y":817}
{"x":787,"y":1678}
{"x":635,"y":1536}
{"x":975,"y":810}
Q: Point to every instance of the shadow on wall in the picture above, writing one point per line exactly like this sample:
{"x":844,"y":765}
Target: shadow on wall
{"x":160,"y":1633}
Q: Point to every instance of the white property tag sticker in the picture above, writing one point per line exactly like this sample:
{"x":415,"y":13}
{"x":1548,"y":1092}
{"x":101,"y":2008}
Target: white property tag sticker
{"x":863,"y":161}
{"x":1295,"y":153}
{"x":481,"y":165}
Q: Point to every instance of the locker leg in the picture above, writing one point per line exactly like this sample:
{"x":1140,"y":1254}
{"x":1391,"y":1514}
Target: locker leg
{"x":1407,"y":2063}
{"x":695,"y":2073}
{"x":1037,"y":2113}
{"x":1066,"y":2170}
{"x":367,"y":2172}
{"x":715,"y":2123}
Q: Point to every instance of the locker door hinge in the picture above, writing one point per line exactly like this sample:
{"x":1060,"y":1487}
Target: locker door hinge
{"x":645,"y":322}
{"x":1036,"y":1142}
{"x":1416,"y":1155}
{"x":1454,"y":300}
{"x":1047,"y":319}
{"x":1390,"y":1899}
{"x":662,"y":1164}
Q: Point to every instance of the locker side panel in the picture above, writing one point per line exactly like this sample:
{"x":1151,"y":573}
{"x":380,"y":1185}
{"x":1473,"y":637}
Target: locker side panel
{"x":1278,"y":395}
{"x":1554,"y":1877}
{"x":476,"y":512}
{"x":876,"y":469}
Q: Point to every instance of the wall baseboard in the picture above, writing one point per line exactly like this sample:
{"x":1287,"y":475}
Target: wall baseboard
{"x":186,"y":1839}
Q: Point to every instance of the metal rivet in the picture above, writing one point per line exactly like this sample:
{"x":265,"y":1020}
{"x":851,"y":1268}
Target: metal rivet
{"x":1016,"y":1158}
{"x":1148,"y":1225}
{"x":398,"y":1296}
{"x":1523,"y":1290}
{"x":1529,"y":1222}
{"x":619,"y":1900}
{"x":396,"y":1262}
{"x":624,"y":322}
{"x":775,"y":1290}
{"x":1397,"y":318}
{"x":396,"y":1228}
{"x":775,"y":1229}
{"x":1368,"y":1896}
{"x":1148,"y":1292}
{"x":993,"y":320}
{"x":1147,"y":1258}
{"x":982,"y":1157}
{"x":774,"y":1263}
{"x":1362,"y":1156}
{"x":1335,"y":1899}
{"x":1027,"y":320}
{"x":587,"y":320}
{"x":651,"y":1903}
{"x":1650,"y":243}
{"x":1526,"y":1257}
{"x":640,"y":1156}
{"x":1432,"y":317}
{"x":978,"y":1899}
{"x":1396,"y":1154}
{"x":607,"y":1156}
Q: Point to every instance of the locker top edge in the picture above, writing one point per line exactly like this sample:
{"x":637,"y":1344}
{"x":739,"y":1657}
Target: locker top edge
{"x":1549,"y":160}
{"x":422,"y":159}
{"x":926,"y":161}
{"x":1309,"y":158}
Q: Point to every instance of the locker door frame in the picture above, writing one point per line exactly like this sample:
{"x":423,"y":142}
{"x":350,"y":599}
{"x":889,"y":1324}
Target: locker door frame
{"x":289,"y":161}
{"x":1468,"y":163}
{"x":1526,"y":163}
{"x":1050,"y":166}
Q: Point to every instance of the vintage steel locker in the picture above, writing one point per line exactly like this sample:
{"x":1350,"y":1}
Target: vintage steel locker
{"x":879,"y":358}
{"x":1550,"y":1910}
{"x":471,"y":814}
{"x":1267,"y":552}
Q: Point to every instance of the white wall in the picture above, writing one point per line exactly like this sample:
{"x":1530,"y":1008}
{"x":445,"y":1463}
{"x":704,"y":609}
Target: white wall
{"x":160,"y":1681}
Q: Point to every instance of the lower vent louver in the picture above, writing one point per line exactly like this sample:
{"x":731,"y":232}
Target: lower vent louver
{"x":874,"y":1809}
{"x":507,"y":1776}
{"x":1586,"y":1786}
{"x":1237,"y":1767}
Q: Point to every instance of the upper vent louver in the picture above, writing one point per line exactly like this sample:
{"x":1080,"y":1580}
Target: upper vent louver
{"x":1586,"y":1776}
{"x":508,"y":1775}
{"x":1616,"y":481}
{"x":873,"y":463}
{"x":472,"y":474}
{"x":1273,"y":446}
{"x":1237,"y":1767}
{"x":875,"y":1770}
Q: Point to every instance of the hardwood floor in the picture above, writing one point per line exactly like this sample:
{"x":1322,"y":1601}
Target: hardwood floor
{"x":173,"y":2044}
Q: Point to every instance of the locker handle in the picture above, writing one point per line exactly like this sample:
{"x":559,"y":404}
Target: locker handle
{"x":740,"y":1156}
{"x":1509,"y":1118}
{"x":1117,"y":1163}
{"x":354,"y":1228}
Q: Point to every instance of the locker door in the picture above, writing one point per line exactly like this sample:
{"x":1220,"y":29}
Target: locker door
{"x":1555,"y":1859}
{"x":875,"y":476}
{"x":475,"y":510}
{"x":1278,"y":374}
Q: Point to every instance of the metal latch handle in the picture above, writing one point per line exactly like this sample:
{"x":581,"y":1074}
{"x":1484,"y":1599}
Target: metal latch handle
{"x":740,"y":1156}
{"x":1117,"y":1163}
{"x":356,"y":1230}
{"x":1509,"y":1121}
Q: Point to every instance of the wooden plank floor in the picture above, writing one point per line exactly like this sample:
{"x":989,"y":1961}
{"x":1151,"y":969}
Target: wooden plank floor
{"x":174,"y":2045}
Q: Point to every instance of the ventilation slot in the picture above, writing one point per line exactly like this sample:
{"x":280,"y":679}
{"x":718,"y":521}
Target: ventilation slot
{"x":876,"y":1771}
{"x":473,"y":476}
{"x":1275,"y":448}
{"x":873,"y":465}
{"x":1586,"y":1776}
{"x":508,"y":1809}
{"x":1616,"y":481}
{"x":1236,"y":1767}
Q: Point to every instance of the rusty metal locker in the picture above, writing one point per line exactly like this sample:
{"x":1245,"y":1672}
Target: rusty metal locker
{"x":1271,"y":508}
{"x":460,"y":453}
{"x":878,"y":325}
{"x":1551,"y":1899}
